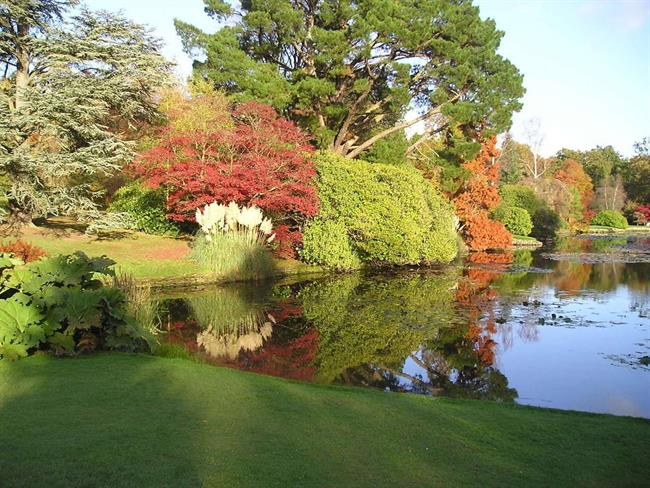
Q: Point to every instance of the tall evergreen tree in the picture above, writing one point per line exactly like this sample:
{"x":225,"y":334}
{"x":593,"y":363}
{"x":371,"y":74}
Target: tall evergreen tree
{"x":357,"y":72}
{"x":73,"y":84}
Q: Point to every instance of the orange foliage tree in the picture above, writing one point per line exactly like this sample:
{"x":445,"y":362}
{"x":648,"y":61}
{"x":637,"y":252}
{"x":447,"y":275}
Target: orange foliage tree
{"x":573,"y":174}
{"x":478,"y":196}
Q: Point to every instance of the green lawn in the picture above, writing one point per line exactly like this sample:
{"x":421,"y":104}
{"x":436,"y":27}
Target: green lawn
{"x":629,"y":229}
{"x":161,"y":260}
{"x":139,"y":421}
{"x":142,"y":255}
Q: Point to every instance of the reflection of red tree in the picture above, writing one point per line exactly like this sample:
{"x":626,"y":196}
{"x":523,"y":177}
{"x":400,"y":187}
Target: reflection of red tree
{"x":477,"y":296}
{"x":183,"y":332}
{"x":292,"y":359}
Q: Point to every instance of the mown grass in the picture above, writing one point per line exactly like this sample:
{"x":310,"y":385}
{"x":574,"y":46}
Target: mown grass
{"x":629,"y":228}
{"x":143,"y":256}
{"x":127,"y":420}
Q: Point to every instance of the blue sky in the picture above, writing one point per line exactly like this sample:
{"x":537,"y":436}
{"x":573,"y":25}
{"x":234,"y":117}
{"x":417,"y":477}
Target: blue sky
{"x":586,"y":63}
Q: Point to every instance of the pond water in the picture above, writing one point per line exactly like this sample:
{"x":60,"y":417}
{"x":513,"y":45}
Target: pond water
{"x":567,"y":327}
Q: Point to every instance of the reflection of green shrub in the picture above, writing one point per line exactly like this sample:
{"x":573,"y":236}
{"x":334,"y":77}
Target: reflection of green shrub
{"x":60,"y":305}
{"x":232,"y":319}
{"x":522,"y":258}
{"x":326,"y":242}
{"x":233,"y":308}
{"x":546,"y":223}
{"x":392,"y":214}
{"x":521,"y":196}
{"x":610,"y":218}
{"x":378,"y":320}
{"x":517,"y":220}
{"x":145,"y":209}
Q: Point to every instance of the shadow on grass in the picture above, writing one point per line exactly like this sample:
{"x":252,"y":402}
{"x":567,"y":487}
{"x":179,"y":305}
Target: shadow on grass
{"x":126,"y":420}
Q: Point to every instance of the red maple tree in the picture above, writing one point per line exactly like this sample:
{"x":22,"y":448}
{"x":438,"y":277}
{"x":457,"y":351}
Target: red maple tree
{"x":477,"y":198}
{"x":260,"y":159}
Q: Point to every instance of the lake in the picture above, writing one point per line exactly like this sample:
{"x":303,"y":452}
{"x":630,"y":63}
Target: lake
{"x":566,"y":327}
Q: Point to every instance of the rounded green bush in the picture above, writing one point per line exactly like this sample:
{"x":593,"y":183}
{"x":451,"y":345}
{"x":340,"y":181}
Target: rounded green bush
{"x":326,"y":242}
{"x":521,"y":196}
{"x":392,"y":214}
{"x":145,"y":209}
{"x":517,"y":220}
{"x":610,"y":218}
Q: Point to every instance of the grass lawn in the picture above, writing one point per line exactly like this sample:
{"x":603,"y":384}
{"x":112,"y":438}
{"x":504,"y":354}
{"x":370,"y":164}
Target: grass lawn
{"x":145,"y":256}
{"x":630,"y":229}
{"x":126,"y":420}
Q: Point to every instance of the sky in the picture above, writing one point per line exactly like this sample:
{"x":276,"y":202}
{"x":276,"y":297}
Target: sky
{"x":586,"y":63}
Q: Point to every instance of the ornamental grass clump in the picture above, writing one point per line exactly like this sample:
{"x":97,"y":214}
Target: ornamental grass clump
{"x":232,"y":241}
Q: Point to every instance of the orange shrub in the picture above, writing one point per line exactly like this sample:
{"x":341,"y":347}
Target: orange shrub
{"x":477,"y":198}
{"x":23,"y":250}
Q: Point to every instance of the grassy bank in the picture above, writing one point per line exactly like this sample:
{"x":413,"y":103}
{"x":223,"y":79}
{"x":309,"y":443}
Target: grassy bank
{"x":632,"y":229}
{"x":525,"y":242}
{"x":119,"y":420}
{"x":159,"y":261}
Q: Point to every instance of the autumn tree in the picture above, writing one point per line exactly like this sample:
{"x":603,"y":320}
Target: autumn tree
{"x":606,"y":167}
{"x":477,"y":198}
{"x":354,"y":72}
{"x":573,"y":174}
{"x":636,"y":176}
{"x":254,"y":157}
{"x":71,"y":88}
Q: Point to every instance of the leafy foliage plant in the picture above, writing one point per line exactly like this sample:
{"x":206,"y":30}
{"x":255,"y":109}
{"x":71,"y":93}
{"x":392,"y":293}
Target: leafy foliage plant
{"x":60,"y":305}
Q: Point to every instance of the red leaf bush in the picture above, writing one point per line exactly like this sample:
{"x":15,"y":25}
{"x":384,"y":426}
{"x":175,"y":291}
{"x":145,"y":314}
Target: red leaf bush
{"x":259,"y":159}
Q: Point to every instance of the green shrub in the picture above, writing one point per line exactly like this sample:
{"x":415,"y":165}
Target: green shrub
{"x":61,"y":305}
{"x":546,"y":223}
{"x":521,"y":196}
{"x":391,"y":213}
{"x":326,"y":242}
{"x":517,"y":220}
{"x":610,"y":218}
{"x":145,"y":209}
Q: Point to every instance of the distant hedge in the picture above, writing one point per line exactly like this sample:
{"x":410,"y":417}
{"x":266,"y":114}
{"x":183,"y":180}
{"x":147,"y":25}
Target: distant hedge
{"x":390,"y":214}
{"x":610,"y":218}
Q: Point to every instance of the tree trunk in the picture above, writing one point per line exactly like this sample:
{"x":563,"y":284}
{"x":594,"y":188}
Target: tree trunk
{"x":22,"y":67}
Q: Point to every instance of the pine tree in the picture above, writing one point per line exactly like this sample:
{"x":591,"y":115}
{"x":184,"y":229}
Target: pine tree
{"x":74,"y":84}
{"x":351,"y":71}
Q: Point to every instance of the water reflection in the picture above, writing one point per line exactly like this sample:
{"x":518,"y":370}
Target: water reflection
{"x":526,"y":326}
